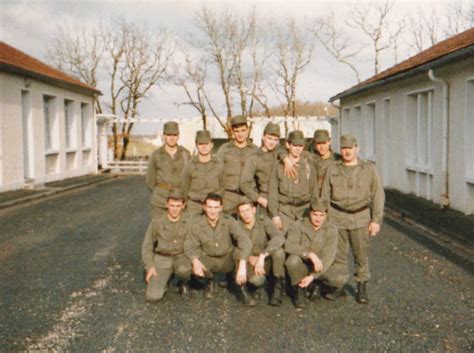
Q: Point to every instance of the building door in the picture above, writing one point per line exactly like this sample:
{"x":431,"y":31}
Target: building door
{"x":28,"y":166}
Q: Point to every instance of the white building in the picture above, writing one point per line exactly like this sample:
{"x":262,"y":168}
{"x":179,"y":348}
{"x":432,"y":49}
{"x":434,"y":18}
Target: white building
{"x":47,"y":123}
{"x":416,"y":122}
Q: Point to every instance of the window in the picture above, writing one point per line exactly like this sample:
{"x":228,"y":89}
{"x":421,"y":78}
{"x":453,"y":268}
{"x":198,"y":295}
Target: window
{"x":369,"y":133}
{"x":419,"y":129}
{"x":69,"y":123}
{"x":50,"y":123}
{"x":86,"y":125}
{"x":356,"y":123}
{"x":469,"y":131}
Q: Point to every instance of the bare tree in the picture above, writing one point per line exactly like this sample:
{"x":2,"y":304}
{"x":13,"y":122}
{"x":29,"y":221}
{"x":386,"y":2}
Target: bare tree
{"x":459,"y":18}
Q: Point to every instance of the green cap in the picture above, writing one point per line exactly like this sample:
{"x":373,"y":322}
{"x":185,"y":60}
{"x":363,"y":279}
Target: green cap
{"x":321,"y":135}
{"x":238,"y":120}
{"x":318,"y":204}
{"x":272,"y":129}
{"x":171,"y":128}
{"x":203,"y":136}
{"x":175,"y":194}
{"x":348,"y":140}
{"x":296,"y":137}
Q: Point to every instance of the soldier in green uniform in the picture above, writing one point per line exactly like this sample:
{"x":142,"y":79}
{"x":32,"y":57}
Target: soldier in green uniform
{"x":312,"y":246}
{"x":202,"y":175}
{"x":165,"y":167}
{"x":210,"y":247}
{"x":356,"y":196}
{"x":256,"y":172}
{"x":163,"y":249}
{"x":234,"y":154}
{"x":267,"y":253}
{"x":288,"y":197}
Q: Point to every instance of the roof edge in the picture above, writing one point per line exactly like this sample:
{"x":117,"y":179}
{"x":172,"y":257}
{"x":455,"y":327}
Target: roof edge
{"x":448,"y":58}
{"x":13,"y":69}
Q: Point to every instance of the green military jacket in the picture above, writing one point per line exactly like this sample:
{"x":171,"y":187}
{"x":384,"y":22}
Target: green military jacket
{"x":322,"y":165}
{"x":265,"y":237}
{"x":285,"y":194}
{"x":234,"y":159}
{"x":164,"y":173}
{"x":303,"y":239}
{"x":199,"y":179}
{"x":219,"y":241}
{"x":164,"y":237}
{"x":256,"y":174}
{"x":352,"y":188}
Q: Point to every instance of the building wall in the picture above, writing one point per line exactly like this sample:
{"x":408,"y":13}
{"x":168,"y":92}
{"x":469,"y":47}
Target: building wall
{"x":405,"y":121}
{"x":19,"y":96}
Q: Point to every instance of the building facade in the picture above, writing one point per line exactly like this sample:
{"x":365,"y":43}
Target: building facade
{"x":47,"y":123}
{"x":416,"y":122}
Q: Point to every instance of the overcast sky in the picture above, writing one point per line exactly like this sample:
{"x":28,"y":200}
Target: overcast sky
{"x":29,"y":26}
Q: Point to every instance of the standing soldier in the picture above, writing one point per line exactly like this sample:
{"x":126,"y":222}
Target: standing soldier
{"x":163,"y":249}
{"x":202,"y":175}
{"x":164,"y":168}
{"x":357,"y":198}
{"x":323,"y":155}
{"x":234,"y":154}
{"x":256,"y":173}
{"x":288,"y":197}
{"x":210,"y":246}
{"x":267,"y":253}
{"x":312,"y":246}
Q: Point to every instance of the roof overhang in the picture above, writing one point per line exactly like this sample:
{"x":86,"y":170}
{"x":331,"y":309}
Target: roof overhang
{"x":460,"y":54}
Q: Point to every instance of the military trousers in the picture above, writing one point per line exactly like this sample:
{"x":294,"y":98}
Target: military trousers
{"x":358,"y":241}
{"x":298,"y":268}
{"x":194,"y":208}
{"x":274,"y":263}
{"x":217,"y":264}
{"x":165,"y":267}
{"x":230,"y":200}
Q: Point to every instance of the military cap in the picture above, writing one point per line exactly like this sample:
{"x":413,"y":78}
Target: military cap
{"x":319,"y":204}
{"x":203,"y":136}
{"x":348,"y":140}
{"x":321,"y":135}
{"x":171,"y":128}
{"x":296,"y":137}
{"x":272,"y":129}
{"x":238,"y":120}
{"x":175,"y":194}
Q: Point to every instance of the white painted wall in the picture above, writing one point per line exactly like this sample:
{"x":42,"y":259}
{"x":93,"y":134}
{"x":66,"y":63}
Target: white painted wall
{"x":395,"y":136}
{"x":12,"y":161}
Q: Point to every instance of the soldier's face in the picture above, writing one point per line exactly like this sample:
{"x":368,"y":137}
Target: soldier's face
{"x":247,"y":213}
{"x":175,"y":207}
{"x":322,"y":147}
{"x":295,"y":150}
{"x":270,"y":142}
{"x":204,"y":149}
{"x":212,"y":209}
{"x":317,"y":218}
{"x":241,"y":133}
{"x":349,"y":154}
{"x":171,"y":140}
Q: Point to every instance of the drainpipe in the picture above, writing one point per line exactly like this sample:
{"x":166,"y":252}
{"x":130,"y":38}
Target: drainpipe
{"x":445,"y":138}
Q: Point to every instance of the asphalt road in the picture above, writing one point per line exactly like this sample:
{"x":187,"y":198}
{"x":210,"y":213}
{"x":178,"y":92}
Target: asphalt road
{"x":71,"y":280}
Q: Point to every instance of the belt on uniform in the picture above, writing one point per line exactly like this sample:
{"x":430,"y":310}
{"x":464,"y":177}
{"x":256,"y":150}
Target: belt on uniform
{"x":357,"y":210}
{"x":237,"y":192}
{"x":167,"y":254}
{"x":297,"y":204}
{"x":165,"y":186}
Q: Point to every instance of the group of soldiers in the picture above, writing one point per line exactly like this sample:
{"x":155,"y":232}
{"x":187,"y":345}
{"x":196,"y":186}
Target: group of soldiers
{"x":254,"y":215}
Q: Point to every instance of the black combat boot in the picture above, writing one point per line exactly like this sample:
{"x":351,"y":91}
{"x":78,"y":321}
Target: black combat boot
{"x":298,"y":297}
{"x":314,"y":291}
{"x":209,"y":289}
{"x":362,"y":297}
{"x":335,"y":293}
{"x":278,"y":292}
{"x":246,"y":297}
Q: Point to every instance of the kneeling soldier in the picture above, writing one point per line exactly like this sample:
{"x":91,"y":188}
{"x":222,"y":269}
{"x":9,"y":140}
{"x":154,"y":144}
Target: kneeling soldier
{"x":210,"y":246}
{"x":163,"y":249}
{"x":267,"y":252}
{"x":312,"y":246}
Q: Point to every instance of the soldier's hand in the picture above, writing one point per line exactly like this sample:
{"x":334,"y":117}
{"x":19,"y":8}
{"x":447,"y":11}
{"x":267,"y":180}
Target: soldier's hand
{"x":241,"y":276}
{"x":374,"y":228}
{"x":317,"y":264}
{"x":290,"y":168}
{"x":253,"y":260}
{"x":260,"y":266}
{"x":198,"y":268}
{"x":150,"y":273}
{"x":262,"y":202}
{"x":277,"y":222}
{"x":306,"y":281}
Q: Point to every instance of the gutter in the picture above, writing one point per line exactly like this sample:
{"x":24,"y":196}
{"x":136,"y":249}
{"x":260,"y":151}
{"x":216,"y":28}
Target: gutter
{"x":445,"y":137}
